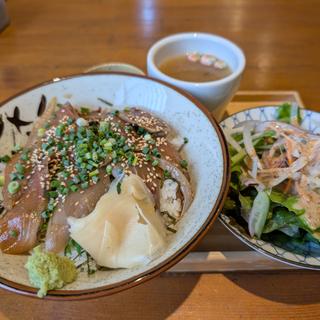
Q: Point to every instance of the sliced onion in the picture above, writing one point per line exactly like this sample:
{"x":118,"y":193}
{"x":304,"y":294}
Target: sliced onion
{"x":254,"y":170}
{"x":258,"y":214}
{"x":185,"y":186}
{"x":294,"y":114}
{"x":250,"y":124}
{"x":288,"y":172}
{"x":247,"y":140}
{"x":233,"y":142}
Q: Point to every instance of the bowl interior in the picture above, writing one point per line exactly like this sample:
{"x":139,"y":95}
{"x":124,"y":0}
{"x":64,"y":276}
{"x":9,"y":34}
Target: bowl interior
{"x":205,"y":154}
{"x":202,"y":43}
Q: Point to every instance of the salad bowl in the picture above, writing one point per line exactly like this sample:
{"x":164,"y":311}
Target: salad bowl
{"x":301,"y":254}
{"x":206,"y":152}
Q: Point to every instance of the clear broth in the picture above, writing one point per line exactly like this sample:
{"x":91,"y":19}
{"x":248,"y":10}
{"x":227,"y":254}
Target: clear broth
{"x":179,"y":67}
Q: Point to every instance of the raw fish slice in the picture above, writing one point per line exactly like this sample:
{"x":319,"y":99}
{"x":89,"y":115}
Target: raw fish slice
{"x":33,"y":143}
{"x":19,"y":226}
{"x":145,"y":120}
{"x":76,"y":205}
{"x":9,"y":199}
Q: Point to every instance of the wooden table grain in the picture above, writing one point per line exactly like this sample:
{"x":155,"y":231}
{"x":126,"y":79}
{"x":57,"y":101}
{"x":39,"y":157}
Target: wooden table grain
{"x":280,"y":38}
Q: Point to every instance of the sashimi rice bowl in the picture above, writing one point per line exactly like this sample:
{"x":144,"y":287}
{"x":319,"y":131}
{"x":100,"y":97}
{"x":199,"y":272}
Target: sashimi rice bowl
{"x":95,"y":196}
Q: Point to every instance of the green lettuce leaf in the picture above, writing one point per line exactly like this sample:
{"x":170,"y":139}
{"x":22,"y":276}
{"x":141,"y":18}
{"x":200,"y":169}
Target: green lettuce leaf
{"x":284,"y":111}
{"x":288,"y":202}
{"x":281,"y":218}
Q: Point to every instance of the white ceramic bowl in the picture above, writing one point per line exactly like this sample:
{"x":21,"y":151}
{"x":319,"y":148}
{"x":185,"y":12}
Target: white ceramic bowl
{"x":206,"y":153}
{"x":215,"y":95}
{"x":115,"y":67}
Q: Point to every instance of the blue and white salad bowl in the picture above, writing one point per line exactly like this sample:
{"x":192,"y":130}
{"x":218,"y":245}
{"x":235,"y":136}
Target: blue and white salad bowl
{"x":306,"y":255}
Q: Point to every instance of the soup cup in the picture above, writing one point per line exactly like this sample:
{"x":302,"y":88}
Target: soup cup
{"x":215,"y":95}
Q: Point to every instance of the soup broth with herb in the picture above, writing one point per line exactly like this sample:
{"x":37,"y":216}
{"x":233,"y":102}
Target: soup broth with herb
{"x":195,"y":67}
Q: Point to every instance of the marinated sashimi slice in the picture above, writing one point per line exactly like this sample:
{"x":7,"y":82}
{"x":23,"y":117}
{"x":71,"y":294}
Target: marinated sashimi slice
{"x":19,"y":226}
{"x":53,"y":115}
{"x":76,"y":204}
{"x":145,"y":120}
{"x":9,"y":199}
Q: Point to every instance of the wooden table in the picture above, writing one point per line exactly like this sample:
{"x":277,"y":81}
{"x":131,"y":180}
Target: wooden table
{"x":47,"y":39}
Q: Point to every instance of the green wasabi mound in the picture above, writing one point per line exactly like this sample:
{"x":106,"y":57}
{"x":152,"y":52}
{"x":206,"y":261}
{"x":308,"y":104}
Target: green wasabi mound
{"x":48,"y":271}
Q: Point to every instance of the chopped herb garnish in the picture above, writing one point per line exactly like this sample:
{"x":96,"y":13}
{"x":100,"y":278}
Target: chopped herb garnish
{"x":185,"y":140}
{"x":17,"y":148}
{"x":155,"y":162}
{"x":69,"y":121}
{"x":13,"y":233}
{"x":119,"y":187}
{"x":45,"y":214}
{"x":20,"y":168}
{"x":41,"y":132}
{"x":109,"y":170}
{"x":171,"y":229}
{"x":84,"y":185}
{"x":156,"y":153}
{"x":145,"y":150}
{"x":1,"y":181}
{"x":106,"y":102}
{"x":167,"y":174}
{"x":84,"y":110}
{"x":13,"y":187}
{"x":74,"y":188}
{"x":5,"y":159}
{"x":184,"y":164}
{"x":141,"y":131}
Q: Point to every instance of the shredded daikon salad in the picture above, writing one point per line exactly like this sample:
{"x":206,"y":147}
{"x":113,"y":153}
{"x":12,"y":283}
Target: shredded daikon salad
{"x":275,"y":182}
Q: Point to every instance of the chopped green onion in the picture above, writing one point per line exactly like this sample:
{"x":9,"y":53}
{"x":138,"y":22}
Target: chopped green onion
{"x":45,"y":214}
{"x":41,"y":132}
{"x":147,"y":137}
{"x":76,"y":179}
{"x":95,"y":179}
{"x":184,"y":164}
{"x":185,"y":140}
{"x":24,"y":156}
{"x":17,"y":148}
{"x":106,"y":102}
{"x":13,"y":187}
{"x":145,"y":150}
{"x":119,"y":187}
{"x":156,"y":153}
{"x":53,"y":194}
{"x":13,"y":233}
{"x":84,"y":185}
{"x":1,"y":181}
{"x":84,"y":110}
{"x":5,"y":159}
{"x":82,"y":123}
{"x":155,"y":163}
{"x":74,"y":188}
{"x":19,"y":168}
{"x":109,"y":169}
{"x":54,"y":184}
{"x":94,"y":173}
{"x":167,"y":174}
